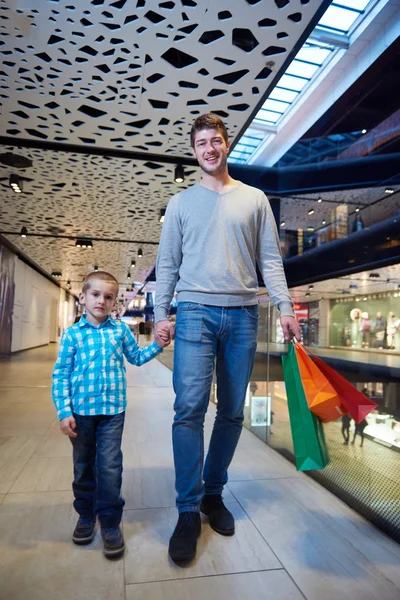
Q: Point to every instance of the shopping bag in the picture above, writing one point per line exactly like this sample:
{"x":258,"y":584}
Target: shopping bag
{"x":357,"y":404}
{"x":309,"y":444}
{"x":322,"y":398}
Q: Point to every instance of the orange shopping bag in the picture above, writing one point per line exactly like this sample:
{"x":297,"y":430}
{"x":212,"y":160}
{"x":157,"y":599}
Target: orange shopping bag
{"x":322,"y":398}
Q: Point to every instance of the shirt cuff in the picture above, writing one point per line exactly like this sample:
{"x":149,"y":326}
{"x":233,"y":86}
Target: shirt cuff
{"x":286,"y":309}
{"x":155,"y":348}
{"x":63,"y":413}
{"x":160,"y":314}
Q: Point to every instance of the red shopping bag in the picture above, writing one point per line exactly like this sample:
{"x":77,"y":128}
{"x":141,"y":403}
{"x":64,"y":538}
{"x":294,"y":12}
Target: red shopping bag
{"x":355,"y":402}
{"x":322,"y":398}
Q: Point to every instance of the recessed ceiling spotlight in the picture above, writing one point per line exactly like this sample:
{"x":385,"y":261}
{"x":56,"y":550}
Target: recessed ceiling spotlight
{"x":128,"y":276}
{"x":140,"y":253}
{"x":24,"y":232}
{"x":374,"y":275}
{"x":357,"y":209}
{"x":83,"y":243}
{"x":310,"y":228}
{"x":311,"y":211}
{"x":96,"y":268}
{"x":179,"y":176}
{"x":389,"y":191}
{"x":133,"y":264}
{"x":162,"y":215}
{"x":363,"y":131}
{"x":283,"y":223}
{"x":323,"y":222}
{"x":319,"y":200}
{"x":16,"y":184}
{"x":56,"y":274}
{"x":308,"y":294}
{"x":311,"y":287}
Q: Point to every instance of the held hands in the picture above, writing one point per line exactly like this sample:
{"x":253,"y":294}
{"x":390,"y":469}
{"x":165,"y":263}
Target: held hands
{"x":290,"y":328}
{"x":164,"y":333}
{"x":68,"y":425}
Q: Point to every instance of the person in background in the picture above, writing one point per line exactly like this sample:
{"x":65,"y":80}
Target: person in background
{"x":213,"y":234}
{"x":89,"y":393}
{"x":346,"y":420}
{"x":359,"y":429}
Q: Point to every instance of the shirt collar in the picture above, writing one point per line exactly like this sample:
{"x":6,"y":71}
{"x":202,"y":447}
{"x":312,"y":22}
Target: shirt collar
{"x":83,"y":322}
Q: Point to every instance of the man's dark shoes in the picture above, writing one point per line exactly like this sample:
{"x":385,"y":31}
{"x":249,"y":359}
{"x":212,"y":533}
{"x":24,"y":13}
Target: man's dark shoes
{"x":84,"y":531}
{"x":113,"y":540}
{"x":221,"y":520}
{"x":183,"y":543}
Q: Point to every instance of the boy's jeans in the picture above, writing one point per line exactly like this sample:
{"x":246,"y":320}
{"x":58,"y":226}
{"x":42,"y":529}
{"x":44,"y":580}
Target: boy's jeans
{"x":98,"y":468}
{"x":204,"y":333}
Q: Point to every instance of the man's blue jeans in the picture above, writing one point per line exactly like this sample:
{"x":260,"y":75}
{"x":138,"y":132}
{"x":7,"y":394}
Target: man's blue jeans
{"x":203,"y":334}
{"x":98,"y":468}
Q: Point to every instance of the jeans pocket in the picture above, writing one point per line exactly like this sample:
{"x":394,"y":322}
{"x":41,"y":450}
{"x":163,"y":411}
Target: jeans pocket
{"x":187,"y":306}
{"x":189,"y":325}
{"x":252,"y":311}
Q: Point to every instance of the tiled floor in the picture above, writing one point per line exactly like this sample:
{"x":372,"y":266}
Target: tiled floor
{"x":293,"y":538}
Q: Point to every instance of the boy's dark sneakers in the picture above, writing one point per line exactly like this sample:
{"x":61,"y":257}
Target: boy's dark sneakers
{"x":221,"y":520}
{"x":84,"y":531}
{"x":113,"y":540}
{"x":183,"y":543}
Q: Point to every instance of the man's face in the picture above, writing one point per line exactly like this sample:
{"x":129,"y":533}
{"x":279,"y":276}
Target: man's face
{"x":211,"y":151}
{"x":99,"y":300}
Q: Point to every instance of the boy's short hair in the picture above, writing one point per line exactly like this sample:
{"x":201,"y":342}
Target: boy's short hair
{"x":208,"y":121}
{"x":103,"y":276}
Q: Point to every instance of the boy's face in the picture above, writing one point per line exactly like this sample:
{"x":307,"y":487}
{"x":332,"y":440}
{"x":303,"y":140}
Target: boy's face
{"x":211,"y":150}
{"x":98,"y":300}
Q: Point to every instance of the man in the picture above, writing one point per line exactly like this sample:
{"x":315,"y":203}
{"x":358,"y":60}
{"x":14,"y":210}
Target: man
{"x":212,"y":235}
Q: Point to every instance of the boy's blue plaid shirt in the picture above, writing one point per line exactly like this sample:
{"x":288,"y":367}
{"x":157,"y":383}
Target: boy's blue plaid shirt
{"x":89,"y":376}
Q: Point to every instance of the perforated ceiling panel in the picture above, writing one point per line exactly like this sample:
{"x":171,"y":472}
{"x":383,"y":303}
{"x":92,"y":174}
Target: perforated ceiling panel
{"x":134,"y":74}
{"x":130,"y":75}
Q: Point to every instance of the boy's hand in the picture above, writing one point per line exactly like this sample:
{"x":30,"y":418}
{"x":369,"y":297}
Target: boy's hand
{"x":67,"y":426}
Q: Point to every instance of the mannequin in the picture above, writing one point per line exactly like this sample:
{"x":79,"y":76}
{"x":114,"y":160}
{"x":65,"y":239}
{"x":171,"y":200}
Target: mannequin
{"x":380,"y":330}
{"x":392,"y":325}
{"x":365,"y":328}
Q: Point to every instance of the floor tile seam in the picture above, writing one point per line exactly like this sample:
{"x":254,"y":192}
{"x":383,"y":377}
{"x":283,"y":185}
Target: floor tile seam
{"x":257,"y":529}
{"x":10,"y":493}
{"x":269,"y":546}
{"x":264,"y":479}
{"x":206,"y":576}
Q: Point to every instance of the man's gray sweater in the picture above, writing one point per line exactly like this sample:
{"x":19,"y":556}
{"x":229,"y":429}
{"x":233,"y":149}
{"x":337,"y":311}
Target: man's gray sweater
{"x":209,"y":245}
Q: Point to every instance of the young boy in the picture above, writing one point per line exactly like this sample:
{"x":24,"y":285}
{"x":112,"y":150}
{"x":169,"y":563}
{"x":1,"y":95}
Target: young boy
{"x":89,"y":393}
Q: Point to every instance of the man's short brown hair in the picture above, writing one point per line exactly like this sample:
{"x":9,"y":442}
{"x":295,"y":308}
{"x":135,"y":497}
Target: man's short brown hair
{"x":208,"y":121}
{"x":103,"y":276}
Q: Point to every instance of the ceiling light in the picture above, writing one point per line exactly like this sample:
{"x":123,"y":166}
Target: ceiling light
{"x":310,"y":228}
{"x":16,"y":183}
{"x":140,"y":253}
{"x":363,"y":131}
{"x":283,"y":223}
{"x":128,"y":276}
{"x":83,"y":243}
{"x":179,"y":176}
{"x":24,"y":232}
{"x":324,"y":222}
{"x":133,"y":264}
{"x":310,"y":287}
{"x":96,"y":268}
{"x":162,"y":215}
{"x":374,"y":275}
{"x":357,"y":209}
{"x":68,"y":284}
{"x":389,"y":191}
{"x":311,"y":211}
{"x":307,"y":294}
{"x":56,"y":274}
{"x":365,"y":298}
{"x":319,"y":200}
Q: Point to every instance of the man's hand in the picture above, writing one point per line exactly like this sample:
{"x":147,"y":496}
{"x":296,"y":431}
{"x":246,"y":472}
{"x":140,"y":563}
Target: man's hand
{"x":164,"y":333}
{"x":290,"y":328}
{"x":67,"y":426}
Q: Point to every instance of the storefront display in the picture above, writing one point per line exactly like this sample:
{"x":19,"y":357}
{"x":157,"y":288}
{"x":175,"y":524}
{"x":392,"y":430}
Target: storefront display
{"x":369,"y":322}
{"x":384,"y":429}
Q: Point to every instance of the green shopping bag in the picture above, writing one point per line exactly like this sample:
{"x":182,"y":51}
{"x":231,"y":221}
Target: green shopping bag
{"x":309,"y":444}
